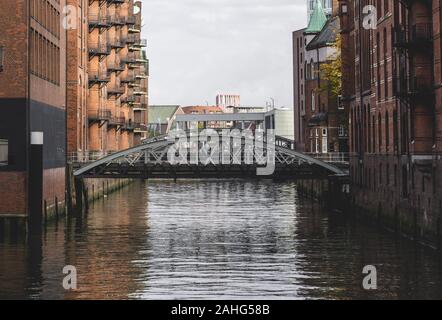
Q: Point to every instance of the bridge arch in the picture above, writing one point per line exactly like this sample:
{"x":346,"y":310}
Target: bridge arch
{"x":149,"y":160}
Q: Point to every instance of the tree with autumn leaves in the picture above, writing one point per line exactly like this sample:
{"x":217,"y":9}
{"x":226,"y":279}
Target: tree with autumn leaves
{"x":331,"y":71}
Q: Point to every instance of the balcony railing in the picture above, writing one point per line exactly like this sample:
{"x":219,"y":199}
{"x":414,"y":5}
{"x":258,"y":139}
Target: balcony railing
{"x":130,"y":20}
{"x":129,"y":77}
{"x":416,"y":37}
{"x":97,"y":21}
{"x":116,"y":67}
{"x":117,"y":121}
{"x":413,"y":86}
{"x":129,"y":58}
{"x":98,"y":77}
{"x":116,"y":43}
{"x":132,"y":38}
{"x":140,"y":128}
{"x":99,"y":48}
{"x":100,"y":115}
{"x":141,"y":43}
{"x":115,"y":20}
{"x":115,"y":90}
{"x":128,"y":99}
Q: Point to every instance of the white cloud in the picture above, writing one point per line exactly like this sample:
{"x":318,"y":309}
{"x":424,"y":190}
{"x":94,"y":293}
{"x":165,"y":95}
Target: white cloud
{"x":198,"y":48}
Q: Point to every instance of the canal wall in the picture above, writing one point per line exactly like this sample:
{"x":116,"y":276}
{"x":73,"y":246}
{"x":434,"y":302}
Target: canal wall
{"x":82,"y":192}
{"x":406,"y":217}
{"x":331,"y":193}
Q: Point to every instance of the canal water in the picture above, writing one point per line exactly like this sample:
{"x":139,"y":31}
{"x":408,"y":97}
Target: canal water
{"x":215,"y":240}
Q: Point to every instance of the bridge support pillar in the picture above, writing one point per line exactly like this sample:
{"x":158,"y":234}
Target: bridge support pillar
{"x":80,"y":198}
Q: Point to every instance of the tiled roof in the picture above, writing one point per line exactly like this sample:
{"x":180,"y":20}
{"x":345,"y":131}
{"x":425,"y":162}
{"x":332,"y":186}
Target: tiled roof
{"x":327,"y":36}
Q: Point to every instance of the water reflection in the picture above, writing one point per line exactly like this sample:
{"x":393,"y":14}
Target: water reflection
{"x":215,"y":239}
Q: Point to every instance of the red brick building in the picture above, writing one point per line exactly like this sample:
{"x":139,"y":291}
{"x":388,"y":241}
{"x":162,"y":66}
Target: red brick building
{"x":392,"y":87}
{"x":32,"y":99}
{"x":321,"y":121}
{"x":107,"y":77}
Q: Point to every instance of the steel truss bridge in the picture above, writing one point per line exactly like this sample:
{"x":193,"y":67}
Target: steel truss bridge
{"x":150,"y":161}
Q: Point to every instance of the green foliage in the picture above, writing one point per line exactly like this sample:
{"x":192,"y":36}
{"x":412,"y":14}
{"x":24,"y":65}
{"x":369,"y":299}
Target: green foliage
{"x":331,"y":71}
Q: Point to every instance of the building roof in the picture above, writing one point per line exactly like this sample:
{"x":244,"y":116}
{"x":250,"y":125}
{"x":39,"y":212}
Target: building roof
{"x":318,"y":19}
{"x":160,"y":114}
{"x":202,"y":109}
{"x":327,"y":36}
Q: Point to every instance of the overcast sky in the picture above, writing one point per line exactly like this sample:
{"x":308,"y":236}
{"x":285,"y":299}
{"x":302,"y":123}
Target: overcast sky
{"x":199,"y":48}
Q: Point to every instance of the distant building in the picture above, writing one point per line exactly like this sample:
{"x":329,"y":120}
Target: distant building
{"x":321,"y":122}
{"x":244,"y":109}
{"x":279,"y":119}
{"x":206,"y":110}
{"x":161,"y":118}
{"x":225,"y":101}
{"x":284,"y":126}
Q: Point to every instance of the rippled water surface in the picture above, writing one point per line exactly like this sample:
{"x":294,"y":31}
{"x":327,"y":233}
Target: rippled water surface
{"x":215,"y":240}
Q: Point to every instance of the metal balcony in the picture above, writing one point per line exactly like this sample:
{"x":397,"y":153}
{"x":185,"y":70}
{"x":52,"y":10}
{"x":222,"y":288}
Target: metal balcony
{"x":97,"y":21}
{"x":99,"y":49}
{"x":140,"y":128}
{"x":130,"y":99}
{"x":117,"y":121}
{"x":115,"y":91}
{"x":130,"y":20}
{"x":115,"y":20}
{"x":128,"y":79}
{"x":116,"y":44}
{"x":99,"y":115}
{"x":413,"y":87}
{"x":417,"y":37}
{"x":128,"y":59}
{"x":134,"y":30}
{"x":142,"y":43}
{"x":98,"y":78}
{"x":131,"y":39}
{"x":116,"y":67}
{"x":129,"y":126}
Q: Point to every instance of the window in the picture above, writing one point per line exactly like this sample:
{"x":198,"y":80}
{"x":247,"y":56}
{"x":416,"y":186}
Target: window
{"x":324,"y":144}
{"x":4,"y":152}
{"x":344,"y":9}
{"x":342,"y":131}
{"x":324,"y":132}
{"x":313,"y":102}
{"x":2,"y":57}
{"x":340,"y":104}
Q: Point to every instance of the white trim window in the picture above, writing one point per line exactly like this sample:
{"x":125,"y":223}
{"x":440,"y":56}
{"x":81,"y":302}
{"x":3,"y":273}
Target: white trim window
{"x":4,"y":152}
{"x":341,"y":132}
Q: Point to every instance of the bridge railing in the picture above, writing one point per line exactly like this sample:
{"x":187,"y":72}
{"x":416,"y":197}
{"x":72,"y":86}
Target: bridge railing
{"x":87,"y":156}
{"x":331,"y":157}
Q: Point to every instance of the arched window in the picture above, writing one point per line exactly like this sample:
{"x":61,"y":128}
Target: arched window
{"x":312,"y":66}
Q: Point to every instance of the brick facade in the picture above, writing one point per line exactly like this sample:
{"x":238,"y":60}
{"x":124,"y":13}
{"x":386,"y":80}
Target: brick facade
{"x":32,"y":98}
{"x":392,"y":89}
{"x":107,"y":103}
